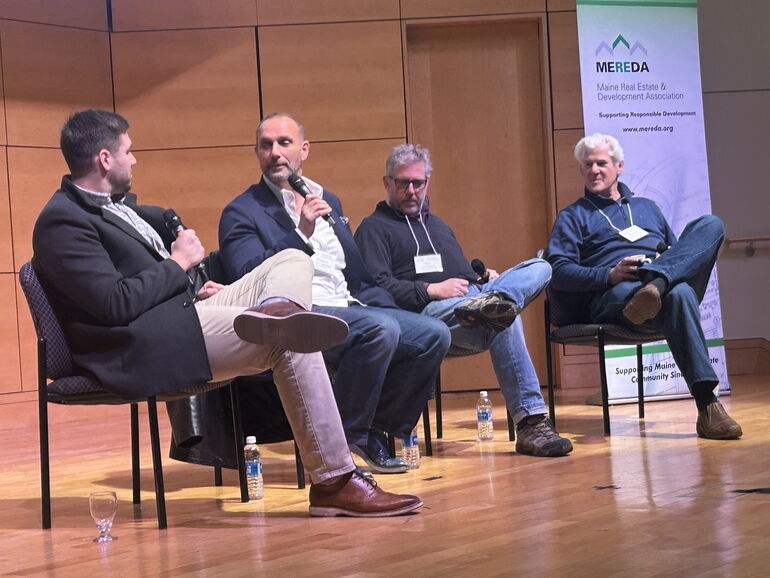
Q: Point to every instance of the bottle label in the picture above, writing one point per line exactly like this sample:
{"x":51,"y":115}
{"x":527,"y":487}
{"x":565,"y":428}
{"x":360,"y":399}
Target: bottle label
{"x":253,"y":468}
{"x":484,"y":414}
{"x":410,"y":440}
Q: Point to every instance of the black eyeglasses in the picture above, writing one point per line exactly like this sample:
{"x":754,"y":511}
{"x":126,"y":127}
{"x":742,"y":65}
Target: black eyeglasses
{"x":403,"y":184}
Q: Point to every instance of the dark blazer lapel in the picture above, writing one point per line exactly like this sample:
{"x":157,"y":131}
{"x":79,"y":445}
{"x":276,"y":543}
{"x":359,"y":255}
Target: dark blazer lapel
{"x":272,"y":206}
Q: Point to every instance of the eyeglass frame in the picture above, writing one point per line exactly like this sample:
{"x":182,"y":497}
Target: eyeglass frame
{"x":403,"y":187}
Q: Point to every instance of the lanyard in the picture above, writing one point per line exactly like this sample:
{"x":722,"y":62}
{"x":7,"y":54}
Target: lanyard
{"x":630,"y":216}
{"x":417,"y":253}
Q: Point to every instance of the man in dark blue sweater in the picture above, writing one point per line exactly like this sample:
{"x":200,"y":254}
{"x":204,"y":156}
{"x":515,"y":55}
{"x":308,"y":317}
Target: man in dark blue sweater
{"x":605,"y":249}
{"x":415,"y":256}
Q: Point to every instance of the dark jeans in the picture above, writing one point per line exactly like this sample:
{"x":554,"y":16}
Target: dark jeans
{"x":687,"y":266}
{"x":386,"y":368}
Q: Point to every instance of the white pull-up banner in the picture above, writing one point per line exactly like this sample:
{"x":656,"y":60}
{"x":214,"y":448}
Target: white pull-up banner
{"x":640,"y":73}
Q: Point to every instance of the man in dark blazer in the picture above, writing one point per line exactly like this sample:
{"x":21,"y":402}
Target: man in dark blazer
{"x":122,"y":287}
{"x":386,"y":368}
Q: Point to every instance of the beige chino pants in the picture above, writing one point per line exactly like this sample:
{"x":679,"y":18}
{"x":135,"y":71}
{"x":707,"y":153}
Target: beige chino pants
{"x":301,"y":378}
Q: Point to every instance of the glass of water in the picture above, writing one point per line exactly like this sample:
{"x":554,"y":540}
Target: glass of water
{"x":104,"y":506}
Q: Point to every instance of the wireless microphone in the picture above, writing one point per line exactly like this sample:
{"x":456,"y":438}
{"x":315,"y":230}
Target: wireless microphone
{"x":175,"y":225}
{"x":480,"y":269}
{"x":299,"y":185}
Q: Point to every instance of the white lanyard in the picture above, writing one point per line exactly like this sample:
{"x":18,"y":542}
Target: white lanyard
{"x":630,"y":216}
{"x":417,"y":252}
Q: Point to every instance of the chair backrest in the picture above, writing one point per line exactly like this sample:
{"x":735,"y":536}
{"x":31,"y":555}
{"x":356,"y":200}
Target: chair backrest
{"x":58,"y":361}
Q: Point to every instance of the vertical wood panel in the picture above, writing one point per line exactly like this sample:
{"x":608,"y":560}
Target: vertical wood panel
{"x":429,"y":8}
{"x":27,"y":342}
{"x":565,"y":71}
{"x":561,"y":5}
{"x":9,"y":339}
{"x":344,"y":81}
{"x":353,"y":171}
{"x":192,"y":88}
{"x":49,"y":73}
{"x":197,"y":183}
{"x":3,"y":130}
{"x":569,"y":183}
{"x":34,"y":175}
{"x":78,"y":13}
{"x":487,"y":139}
{"x":175,"y":14}
{"x":314,"y":11}
{"x":6,"y":251}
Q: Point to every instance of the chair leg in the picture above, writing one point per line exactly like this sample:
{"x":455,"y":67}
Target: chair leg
{"x":238,"y":440}
{"x":426,"y":429}
{"x":157,"y":464}
{"x":439,"y":414}
{"x":391,"y":444}
{"x":549,"y":362}
{"x":136,"y":483}
{"x":603,"y":377}
{"x":640,"y":379}
{"x":42,"y":417}
{"x":511,"y":427}
{"x":218,"y":476}
{"x":300,"y":467}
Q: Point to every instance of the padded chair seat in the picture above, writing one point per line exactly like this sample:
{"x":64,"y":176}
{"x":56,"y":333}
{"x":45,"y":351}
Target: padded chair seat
{"x":587,"y":334}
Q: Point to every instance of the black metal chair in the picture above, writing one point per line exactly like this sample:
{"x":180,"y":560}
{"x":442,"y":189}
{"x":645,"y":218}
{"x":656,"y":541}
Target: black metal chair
{"x":561,"y":312}
{"x":67,"y":387}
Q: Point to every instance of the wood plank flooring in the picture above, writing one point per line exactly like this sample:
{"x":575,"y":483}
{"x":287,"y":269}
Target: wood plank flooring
{"x":651,"y":500}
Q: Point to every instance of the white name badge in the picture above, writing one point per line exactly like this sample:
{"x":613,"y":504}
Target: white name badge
{"x":323,"y":263}
{"x":633,"y":233}
{"x":428,"y":264}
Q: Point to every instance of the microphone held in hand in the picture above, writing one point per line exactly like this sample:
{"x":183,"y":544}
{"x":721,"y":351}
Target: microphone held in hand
{"x":175,"y":226}
{"x":299,"y":185}
{"x":481,"y":270}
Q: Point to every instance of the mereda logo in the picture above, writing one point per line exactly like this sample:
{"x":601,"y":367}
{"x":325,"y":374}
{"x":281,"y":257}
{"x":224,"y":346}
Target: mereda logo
{"x":621,"y":49}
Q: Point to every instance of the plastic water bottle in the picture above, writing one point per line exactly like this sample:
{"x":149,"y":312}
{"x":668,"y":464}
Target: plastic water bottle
{"x":410,"y":450}
{"x":253,"y":469}
{"x":484,"y":417}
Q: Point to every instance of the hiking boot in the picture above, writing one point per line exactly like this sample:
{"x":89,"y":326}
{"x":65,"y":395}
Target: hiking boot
{"x":535,"y":436}
{"x":714,"y":423}
{"x":493,"y":309}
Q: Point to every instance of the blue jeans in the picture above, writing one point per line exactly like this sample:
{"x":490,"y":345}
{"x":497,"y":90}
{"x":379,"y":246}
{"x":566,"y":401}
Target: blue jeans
{"x":386,"y":368}
{"x":687,"y":266}
{"x":510,"y":358}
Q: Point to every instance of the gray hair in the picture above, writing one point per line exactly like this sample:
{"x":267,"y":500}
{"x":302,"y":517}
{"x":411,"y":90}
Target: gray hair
{"x":282,"y":115}
{"x":408,"y":154}
{"x":594,"y":141}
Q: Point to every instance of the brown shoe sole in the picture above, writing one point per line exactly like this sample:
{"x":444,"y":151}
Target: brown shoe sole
{"x":303,"y":332}
{"x":644,"y":305}
{"x":330,"y":511}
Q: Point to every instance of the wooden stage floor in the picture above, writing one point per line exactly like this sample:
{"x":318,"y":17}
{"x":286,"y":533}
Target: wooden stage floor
{"x":651,"y":500}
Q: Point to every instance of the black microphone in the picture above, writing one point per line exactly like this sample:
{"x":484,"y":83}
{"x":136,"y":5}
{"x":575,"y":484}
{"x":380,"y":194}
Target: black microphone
{"x":175,"y":225}
{"x":481,"y":270}
{"x":299,"y":185}
{"x":661,"y":248}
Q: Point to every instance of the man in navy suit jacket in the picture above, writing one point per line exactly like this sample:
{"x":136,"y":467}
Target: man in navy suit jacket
{"x":386,"y":368}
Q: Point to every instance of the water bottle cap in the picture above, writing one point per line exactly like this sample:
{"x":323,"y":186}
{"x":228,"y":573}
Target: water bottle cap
{"x":251,"y":440}
{"x":483,"y":393}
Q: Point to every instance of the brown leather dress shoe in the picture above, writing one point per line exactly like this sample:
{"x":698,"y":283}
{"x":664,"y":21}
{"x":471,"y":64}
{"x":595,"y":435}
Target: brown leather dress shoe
{"x":360,"y":497}
{"x":287,"y":325}
{"x":714,"y":423}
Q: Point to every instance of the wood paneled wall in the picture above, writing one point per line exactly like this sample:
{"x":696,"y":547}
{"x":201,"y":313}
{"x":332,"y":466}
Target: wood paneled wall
{"x":193,"y":78}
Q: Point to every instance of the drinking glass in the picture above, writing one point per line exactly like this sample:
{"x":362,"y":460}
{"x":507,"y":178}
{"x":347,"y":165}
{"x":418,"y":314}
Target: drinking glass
{"x":104,"y":506}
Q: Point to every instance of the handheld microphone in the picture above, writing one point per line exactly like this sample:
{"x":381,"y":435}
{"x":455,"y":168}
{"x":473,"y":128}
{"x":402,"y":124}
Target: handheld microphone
{"x":299,"y":185}
{"x":480,"y":269}
{"x":175,"y":225}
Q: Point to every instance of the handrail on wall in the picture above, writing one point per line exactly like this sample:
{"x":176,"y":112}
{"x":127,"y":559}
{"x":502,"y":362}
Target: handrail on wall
{"x":749,"y":241}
